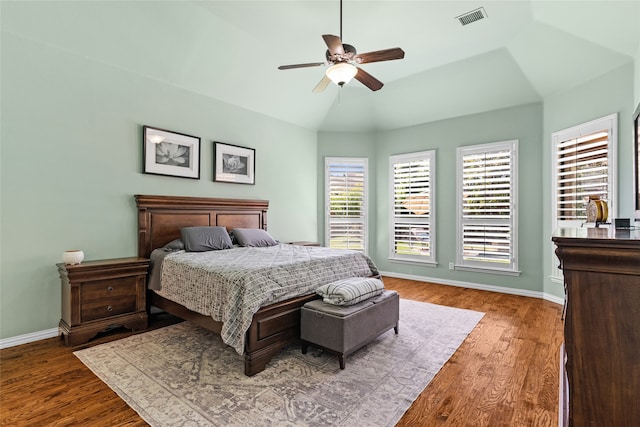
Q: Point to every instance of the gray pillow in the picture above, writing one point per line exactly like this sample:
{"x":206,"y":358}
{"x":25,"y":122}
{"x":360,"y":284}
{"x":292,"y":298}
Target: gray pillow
{"x":253,"y":237}
{"x":202,"y":239}
{"x":174,"y":245}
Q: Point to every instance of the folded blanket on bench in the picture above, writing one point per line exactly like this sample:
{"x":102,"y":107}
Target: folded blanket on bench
{"x":350,"y":291}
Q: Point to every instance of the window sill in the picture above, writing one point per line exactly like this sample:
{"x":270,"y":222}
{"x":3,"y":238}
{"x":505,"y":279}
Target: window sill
{"x":487,"y":270}
{"x":414,"y":262}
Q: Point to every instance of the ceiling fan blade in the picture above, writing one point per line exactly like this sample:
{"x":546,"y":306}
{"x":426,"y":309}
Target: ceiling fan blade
{"x":334,"y":44}
{"x":380,"y":55}
{"x":368,"y":80}
{"x":322,"y":84}
{"x":311,"y":64}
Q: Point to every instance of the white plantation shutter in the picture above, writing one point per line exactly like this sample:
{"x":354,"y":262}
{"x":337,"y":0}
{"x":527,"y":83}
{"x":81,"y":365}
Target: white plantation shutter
{"x":412,"y":207}
{"x":487,"y":206}
{"x":583,"y":158}
{"x":346,"y":203}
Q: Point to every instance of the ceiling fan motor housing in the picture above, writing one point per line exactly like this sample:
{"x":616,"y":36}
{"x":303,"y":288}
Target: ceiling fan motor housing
{"x":349,"y":53}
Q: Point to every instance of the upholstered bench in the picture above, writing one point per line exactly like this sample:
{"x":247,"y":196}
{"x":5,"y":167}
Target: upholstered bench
{"x":342,"y":330}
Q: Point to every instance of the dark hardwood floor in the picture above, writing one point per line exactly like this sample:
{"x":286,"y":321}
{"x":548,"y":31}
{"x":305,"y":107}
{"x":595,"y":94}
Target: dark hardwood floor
{"x":504,"y":374}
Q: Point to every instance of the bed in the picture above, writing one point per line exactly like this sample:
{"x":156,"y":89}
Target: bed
{"x":160,"y":220}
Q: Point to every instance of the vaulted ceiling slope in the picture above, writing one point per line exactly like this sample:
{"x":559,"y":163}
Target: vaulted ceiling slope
{"x":522,"y":52}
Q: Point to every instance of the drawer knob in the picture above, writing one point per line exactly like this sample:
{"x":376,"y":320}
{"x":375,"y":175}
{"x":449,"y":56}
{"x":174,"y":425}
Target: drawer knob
{"x":109,"y":308}
{"x":109,"y":288}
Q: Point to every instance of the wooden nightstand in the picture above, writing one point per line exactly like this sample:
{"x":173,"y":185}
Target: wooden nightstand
{"x":100,"y":295}
{"x":304,"y":243}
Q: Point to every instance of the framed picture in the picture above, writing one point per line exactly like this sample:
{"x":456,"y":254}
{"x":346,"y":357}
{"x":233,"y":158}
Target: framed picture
{"x":170,"y":153}
{"x":234,"y":164}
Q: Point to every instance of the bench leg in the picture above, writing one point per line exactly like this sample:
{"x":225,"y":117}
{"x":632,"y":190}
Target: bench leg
{"x":341,"y":361}
{"x":305,"y":346}
{"x":395,"y":329}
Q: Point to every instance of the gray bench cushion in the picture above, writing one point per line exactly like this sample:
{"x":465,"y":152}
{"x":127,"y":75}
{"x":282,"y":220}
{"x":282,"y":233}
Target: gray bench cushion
{"x":336,"y":310}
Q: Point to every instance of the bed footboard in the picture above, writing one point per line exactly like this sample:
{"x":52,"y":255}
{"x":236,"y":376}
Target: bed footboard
{"x":273,"y":327}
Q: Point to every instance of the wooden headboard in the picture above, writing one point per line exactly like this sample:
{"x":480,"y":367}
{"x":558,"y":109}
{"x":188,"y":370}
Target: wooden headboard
{"x":160,"y":218}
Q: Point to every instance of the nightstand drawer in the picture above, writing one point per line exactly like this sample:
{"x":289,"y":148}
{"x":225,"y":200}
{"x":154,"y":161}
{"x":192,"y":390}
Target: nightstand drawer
{"x":112,"y":288}
{"x":101,"y":309}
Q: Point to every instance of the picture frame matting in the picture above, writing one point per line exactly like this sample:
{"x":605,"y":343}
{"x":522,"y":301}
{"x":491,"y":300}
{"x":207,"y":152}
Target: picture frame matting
{"x":234,"y":164}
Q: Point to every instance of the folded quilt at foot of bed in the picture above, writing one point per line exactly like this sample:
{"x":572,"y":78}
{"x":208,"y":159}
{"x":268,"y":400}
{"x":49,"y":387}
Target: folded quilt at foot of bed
{"x":350,"y":291}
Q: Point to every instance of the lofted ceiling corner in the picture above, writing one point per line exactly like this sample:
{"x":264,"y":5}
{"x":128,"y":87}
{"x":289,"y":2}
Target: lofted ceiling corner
{"x":611,"y":24}
{"x":554,"y":60}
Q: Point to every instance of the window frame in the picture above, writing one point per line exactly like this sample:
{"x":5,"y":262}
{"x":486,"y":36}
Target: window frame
{"x":364,"y":217}
{"x":430,"y":156}
{"x":486,"y":266}
{"x":608,"y":123}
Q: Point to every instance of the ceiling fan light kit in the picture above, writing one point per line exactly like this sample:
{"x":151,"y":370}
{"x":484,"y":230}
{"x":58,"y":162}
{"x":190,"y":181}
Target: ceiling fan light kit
{"x":341,"y":73}
{"x":343,"y":61}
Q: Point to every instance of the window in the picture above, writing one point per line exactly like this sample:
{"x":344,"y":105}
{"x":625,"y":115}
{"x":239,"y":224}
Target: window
{"x":412,"y":208}
{"x":487,"y":207}
{"x":346,"y":203}
{"x":583,"y":167}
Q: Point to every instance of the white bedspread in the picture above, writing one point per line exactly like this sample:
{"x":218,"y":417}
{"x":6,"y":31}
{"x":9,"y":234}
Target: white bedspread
{"x":231,"y":285}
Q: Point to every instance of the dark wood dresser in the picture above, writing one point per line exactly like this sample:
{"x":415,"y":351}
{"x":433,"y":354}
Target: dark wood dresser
{"x":99,"y":295}
{"x":601,"y":269}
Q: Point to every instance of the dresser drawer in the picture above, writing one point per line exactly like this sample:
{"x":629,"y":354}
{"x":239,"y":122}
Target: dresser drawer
{"x":111,"y":288}
{"x":105,"y":308}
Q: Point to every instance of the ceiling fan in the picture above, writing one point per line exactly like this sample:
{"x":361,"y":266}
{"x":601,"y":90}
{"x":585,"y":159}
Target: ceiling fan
{"x":343,"y":61}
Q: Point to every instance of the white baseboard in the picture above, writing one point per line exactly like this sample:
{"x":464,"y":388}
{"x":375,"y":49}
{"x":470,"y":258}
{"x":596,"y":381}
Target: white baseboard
{"x":50,"y":333}
{"x":27,"y":338}
{"x":479,"y":286}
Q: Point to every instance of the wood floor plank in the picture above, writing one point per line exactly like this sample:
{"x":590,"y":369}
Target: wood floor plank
{"x":504,"y":374}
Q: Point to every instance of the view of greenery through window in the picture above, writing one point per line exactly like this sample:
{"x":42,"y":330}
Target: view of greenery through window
{"x":487,"y":205}
{"x":412,"y":207}
{"x":347,"y":206}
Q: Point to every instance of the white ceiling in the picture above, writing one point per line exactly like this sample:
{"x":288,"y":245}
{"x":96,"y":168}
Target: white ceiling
{"x":524,"y":51}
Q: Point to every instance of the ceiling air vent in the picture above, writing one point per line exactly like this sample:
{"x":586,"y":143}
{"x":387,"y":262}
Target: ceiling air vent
{"x":473,"y":16}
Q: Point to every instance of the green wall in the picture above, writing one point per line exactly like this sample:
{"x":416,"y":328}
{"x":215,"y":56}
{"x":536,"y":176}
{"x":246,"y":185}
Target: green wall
{"x":71,"y":163}
{"x":532,"y":125}
{"x":71,"y":155}
{"x":523,"y":123}
{"x":608,"y":94}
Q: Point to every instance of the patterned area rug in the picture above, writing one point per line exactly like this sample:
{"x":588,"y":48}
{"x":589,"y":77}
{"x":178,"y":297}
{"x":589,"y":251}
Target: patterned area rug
{"x":183,"y":375}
